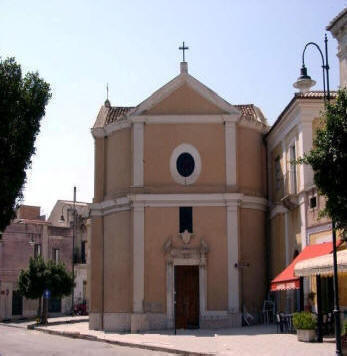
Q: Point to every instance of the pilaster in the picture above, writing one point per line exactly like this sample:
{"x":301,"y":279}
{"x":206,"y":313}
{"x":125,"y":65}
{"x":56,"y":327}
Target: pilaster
{"x":138,"y":258}
{"x":138,"y":131}
{"x":305,"y":145}
{"x":233,"y":258}
{"x":230,"y":152}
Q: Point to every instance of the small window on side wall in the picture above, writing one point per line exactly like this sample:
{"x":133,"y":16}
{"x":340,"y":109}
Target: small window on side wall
{"x":313,"y":202}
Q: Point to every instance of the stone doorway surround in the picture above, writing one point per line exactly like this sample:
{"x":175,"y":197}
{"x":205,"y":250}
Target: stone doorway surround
{"x":193,"y":256}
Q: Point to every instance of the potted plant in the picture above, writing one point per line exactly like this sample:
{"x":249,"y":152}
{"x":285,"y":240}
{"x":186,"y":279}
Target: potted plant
{"x":305,"y":325}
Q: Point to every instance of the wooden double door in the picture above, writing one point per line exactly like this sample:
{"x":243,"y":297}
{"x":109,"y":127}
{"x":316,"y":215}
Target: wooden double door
{"x":187,"y":297}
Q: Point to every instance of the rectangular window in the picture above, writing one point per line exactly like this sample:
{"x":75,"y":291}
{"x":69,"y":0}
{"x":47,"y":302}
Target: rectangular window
{"x":293,"y":169}
{"x":186,"y":219}
{"x":313,"y":202}
{"x":83,"y":251}
{"x":278,"y":173}
{"x":37,"y":250}
{"x":56,"y":255}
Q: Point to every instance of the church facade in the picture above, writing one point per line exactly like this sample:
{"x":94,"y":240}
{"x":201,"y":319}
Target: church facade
{"x":178,"y":218}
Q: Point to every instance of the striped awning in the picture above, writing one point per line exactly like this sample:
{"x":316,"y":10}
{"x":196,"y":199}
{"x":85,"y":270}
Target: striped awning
{"x":322,"y":265}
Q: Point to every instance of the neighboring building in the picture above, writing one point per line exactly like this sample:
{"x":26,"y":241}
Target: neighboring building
{"x":81,"y":246}
{"x":30,"y":235}
{"x":179,"y":204}
{"x":338,"y":28}
{"x":293,"y":197}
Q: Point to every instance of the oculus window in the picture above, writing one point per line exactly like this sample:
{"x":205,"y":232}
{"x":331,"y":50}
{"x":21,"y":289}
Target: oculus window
{"x":185,"y":164}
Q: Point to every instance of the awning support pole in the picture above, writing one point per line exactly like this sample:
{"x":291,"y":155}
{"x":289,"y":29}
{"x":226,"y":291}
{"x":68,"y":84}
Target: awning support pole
{"x":319,"y":309}
{"x":301,"y":291}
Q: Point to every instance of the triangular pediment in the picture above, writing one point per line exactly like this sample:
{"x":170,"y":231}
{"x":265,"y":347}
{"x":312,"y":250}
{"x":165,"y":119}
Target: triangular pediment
{"x":184,"y":95}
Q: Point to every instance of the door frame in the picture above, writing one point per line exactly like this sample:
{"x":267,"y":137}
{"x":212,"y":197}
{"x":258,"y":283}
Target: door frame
{"x":170,"y":288}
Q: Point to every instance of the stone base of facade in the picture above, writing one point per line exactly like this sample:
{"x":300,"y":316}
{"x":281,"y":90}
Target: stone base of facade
{"x":139,"y":322}
{"x":95,"y":321}
{"x":222,"y":321}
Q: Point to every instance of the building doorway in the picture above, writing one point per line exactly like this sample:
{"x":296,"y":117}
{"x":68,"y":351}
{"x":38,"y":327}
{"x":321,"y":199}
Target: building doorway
{"x":187,"y":297}
{"x":17,"y":303}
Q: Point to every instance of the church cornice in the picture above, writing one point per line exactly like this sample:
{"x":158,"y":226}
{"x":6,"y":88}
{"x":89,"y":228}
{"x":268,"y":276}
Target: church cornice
{"x":230,"y":200}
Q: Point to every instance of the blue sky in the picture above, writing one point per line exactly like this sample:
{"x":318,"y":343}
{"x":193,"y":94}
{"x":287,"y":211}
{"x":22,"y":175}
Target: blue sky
{"x":246,"y":51}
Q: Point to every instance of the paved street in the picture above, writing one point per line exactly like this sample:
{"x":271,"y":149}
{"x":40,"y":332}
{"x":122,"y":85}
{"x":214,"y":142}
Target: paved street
{"x":14,"y":341}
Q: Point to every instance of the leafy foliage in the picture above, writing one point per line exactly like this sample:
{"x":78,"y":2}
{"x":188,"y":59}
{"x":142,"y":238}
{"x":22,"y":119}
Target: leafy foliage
{"x":328,"y":159}
{"x":304,"y":321}
{"x":32,"y":282}
{"x":22,"y":105}
{"x":41,"y":275}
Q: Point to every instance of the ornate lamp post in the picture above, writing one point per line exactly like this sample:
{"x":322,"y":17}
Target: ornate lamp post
{"x":62,"y":219}
{"x":304,"y":83}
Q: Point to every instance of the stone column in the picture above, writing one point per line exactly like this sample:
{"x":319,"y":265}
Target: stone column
{"x":233,"y":258}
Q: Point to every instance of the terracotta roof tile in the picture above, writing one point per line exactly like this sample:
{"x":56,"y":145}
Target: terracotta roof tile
{"x":251,"y":112}
{"x":116,"y":113}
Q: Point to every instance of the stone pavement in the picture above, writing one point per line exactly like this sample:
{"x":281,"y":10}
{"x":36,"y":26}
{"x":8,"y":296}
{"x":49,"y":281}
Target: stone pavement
{"x":255,"y":340}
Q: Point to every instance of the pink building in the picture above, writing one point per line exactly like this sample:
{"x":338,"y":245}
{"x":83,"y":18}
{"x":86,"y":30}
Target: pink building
{"x":27,"y":236}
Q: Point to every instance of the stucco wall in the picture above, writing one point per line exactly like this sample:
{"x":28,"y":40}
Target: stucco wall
{"x":99,"y":169}
{"x":251,"y":161}
{"x":117,"y":253}
{"x":96,"y":265}
{"x":184,"y":101}
{"x":252,"y":251}
{"x":277,"y":262}
{"x":161,"y":224}
{"x":277,"y":193}
{"x":118,"y":172}
{"x":161,"y":140}
{"x":210,"y":224}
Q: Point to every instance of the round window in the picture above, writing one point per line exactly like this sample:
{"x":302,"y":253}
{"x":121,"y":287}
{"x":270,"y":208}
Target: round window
{"x":185,"y":164}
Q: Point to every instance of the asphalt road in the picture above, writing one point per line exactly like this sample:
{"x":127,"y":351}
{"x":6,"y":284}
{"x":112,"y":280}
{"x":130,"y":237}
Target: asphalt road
{"x":14,"y":341}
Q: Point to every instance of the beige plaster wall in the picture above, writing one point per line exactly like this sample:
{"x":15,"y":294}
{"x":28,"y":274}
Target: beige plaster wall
{"x":251,"y":161}
{"x":184,"y":101}
{"x":96,"y":265}
{"x":117,"y":253}
{"x":99,"y":169}
{"x":210,"y":224}
{"x":118,"y":173}
{"x":161,"y":140}
{"x":252,"y":251}
{"x":277,"y":262}
{"x":162,"y":224}
{"x":277,"y":194}
{"x":294,"y":231}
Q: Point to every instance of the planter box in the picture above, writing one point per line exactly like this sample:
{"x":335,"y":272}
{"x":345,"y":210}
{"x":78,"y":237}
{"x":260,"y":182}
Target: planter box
{"x":306,"y":335}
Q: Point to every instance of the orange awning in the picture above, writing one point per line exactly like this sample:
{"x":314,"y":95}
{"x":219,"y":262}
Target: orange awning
{"x":286,"y":279}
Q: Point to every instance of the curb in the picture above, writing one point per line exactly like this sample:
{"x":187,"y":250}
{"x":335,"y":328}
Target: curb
{"x":78,"y":335}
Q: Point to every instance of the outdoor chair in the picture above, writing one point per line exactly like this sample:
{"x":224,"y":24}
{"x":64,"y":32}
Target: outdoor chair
{"x":280,"y":322}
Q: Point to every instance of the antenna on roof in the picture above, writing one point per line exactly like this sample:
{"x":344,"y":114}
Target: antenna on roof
{"x":107,"y":102}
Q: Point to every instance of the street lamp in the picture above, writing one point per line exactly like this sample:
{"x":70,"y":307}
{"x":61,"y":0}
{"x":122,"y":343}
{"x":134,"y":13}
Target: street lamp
{"x":62,"y":219}
{"x":304,"y":83}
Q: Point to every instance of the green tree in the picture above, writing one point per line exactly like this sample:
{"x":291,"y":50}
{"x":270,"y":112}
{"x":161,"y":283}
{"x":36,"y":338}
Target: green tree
{"x":31,"y":282}
{"x":41,"y":276}
{"x":328,"y":159}
{"x":22,"y":106}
